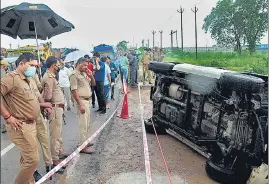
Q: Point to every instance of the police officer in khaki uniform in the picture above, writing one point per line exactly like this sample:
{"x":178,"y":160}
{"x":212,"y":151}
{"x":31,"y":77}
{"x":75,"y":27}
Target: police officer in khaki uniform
{"x":20,"y":108}
{"x":80,"y":81}
{"x":52,"y":93}
{"x":156,"y":54}
{"x":4,"y":68}
{"x":41,"y":128}
{"x":146,"y":72}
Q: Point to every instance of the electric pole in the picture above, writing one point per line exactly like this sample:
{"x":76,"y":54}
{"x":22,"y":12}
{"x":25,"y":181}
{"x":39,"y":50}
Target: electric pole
{"x":161,"y":46}
{"x":153,"y":33}
{"x":143,"y":43}
{"x":195,"y":11}
{"x":171,"y":33}
{"x":181,"y":26}
{"x":10,"y":45}
{"x":148,"y":43}
{"x":176,"y":39}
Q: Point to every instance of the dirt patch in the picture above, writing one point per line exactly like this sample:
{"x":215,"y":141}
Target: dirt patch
{"x":181,"y":160}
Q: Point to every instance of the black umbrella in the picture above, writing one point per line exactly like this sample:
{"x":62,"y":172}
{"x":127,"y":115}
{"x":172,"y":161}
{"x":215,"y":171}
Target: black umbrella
{"x":32,"y":20}
{"x":36,"y":21}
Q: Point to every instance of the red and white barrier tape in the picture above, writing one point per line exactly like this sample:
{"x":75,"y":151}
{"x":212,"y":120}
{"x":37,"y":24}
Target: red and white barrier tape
{"x":145,"y":143}
{"x":160,"y":148}
{"x":70,"y":157}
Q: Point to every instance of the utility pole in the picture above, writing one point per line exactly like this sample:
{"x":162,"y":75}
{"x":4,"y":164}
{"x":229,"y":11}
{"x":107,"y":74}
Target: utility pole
{"x":171,"y":33}
{"x":181,"y":25}
{"x":143,"y":43}
{"x":148,"y":43}
{"x":153,"y":33}
{"x":195,"y":11}
{"x":176,"y":39}
{"x":10,"y":46}
{"x":161,"y":46}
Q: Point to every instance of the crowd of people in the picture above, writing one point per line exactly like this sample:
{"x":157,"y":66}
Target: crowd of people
{"x":35,"y":94}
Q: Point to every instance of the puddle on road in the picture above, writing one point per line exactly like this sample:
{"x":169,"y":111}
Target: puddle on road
{"x":140,"y":178}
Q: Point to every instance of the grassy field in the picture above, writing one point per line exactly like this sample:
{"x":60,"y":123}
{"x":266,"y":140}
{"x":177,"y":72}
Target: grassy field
{"x":257,"y":63}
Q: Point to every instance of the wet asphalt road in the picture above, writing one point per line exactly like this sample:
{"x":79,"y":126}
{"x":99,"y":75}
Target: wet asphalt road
{"x":10,"y":160}
{"x":118,"y":152}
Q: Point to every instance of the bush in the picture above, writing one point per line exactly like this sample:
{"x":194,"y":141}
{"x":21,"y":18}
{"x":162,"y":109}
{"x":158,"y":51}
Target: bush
{"x":257,"y":63}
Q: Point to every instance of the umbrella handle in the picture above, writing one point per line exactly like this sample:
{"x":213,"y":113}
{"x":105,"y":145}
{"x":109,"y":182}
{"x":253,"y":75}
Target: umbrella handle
{"x":38,"y":54}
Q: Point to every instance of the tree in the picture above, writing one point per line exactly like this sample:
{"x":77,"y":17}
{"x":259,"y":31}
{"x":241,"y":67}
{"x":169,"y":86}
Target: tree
{"x":232,"y":22}
{"x":224,"y":25}
{"x":254,"y":19}
{"x":122,"y":46}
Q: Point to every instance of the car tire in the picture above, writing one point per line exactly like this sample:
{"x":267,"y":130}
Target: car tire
{"x":238,"y":175}
{"x":241,"y":82}
{"x":149,"y":128}
{"x":160,"y":67}
{"x":219,"y":174}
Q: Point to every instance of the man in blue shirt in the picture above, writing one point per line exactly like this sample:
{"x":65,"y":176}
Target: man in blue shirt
{"x":99,"y":75}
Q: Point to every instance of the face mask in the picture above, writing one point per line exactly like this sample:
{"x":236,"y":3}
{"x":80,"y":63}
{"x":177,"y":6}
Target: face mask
{"x":30,"y":72}
{"x":58,"y":69}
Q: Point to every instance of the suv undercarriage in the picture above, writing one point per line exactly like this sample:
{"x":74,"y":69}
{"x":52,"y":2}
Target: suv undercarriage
{"x":221,"y":114}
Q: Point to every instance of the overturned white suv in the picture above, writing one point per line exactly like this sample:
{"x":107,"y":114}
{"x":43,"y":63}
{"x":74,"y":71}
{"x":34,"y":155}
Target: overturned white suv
{"x":219,"y":113}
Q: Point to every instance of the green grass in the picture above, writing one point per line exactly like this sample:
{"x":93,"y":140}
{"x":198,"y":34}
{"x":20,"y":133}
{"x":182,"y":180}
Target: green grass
{"x":257,"y":63}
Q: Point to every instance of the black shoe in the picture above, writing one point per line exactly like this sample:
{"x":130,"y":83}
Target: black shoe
{"x":68,"y":109}
{"x":37,"y":176}
{"x":103,"y":112}
{"x":93,"y":105}
{"x":60,"y":171}
{"x":48,"y":168}
{"x":112,"y":98}
{"x":98,"y":110}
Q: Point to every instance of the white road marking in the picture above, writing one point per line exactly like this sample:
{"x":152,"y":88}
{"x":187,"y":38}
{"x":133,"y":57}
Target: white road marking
{"x":7,"y":149}
{"x":145,"y":142}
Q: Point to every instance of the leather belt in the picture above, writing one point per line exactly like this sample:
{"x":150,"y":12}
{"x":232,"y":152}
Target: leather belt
{"x":28,"y":121}
{"x":86,"y":98}
{"x":58,"y":105}
{"x":25,"y":121}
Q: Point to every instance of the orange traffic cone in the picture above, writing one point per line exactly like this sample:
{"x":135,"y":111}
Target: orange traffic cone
{"x":124,"y":111}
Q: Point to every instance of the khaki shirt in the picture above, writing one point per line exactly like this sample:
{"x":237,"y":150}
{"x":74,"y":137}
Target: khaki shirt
{"x":80,"y":82}
{"x":146,"y":58}
{"x":51,"y":89}
{"x":156,"y":56}
{"x":34,"y":86}
{"x":21,"y":100}
{"x":38,"y":84}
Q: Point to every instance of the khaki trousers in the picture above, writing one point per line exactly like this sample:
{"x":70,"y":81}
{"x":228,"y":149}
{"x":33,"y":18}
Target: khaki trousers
{"x":84,"y":121}
{"x":25,"y":139}
{"x":43,"y":138}
{"x":146,"y":72}
{"x":56,"y":142}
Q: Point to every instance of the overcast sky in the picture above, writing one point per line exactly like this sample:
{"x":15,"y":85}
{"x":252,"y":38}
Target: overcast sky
{"x":110,"y":21}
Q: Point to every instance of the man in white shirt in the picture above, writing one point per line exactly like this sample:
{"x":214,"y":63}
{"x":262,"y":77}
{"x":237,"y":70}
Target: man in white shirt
{"x":64,"y":82}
